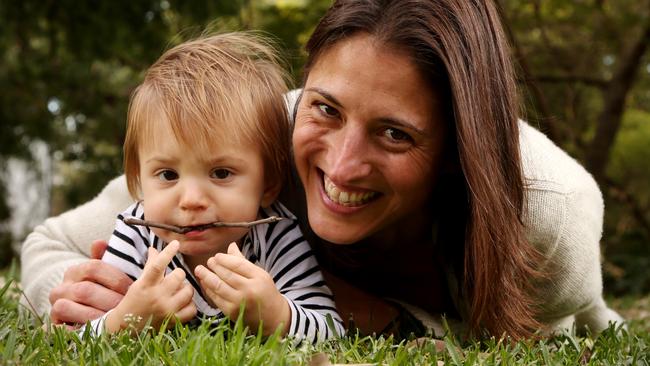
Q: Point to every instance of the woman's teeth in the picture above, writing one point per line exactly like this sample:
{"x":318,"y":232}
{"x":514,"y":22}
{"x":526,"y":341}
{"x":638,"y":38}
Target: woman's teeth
{"x":345,"y":198}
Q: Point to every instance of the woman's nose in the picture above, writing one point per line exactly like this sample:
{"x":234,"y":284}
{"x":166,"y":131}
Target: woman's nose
{"x":349,"y":155}
{"x":193,"y":196}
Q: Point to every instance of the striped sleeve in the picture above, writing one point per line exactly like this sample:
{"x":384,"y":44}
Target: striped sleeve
{"x":287,"y":257}
{"x":126,"y":251}
{"x":127,"y":247}
{"x":94,"y":327}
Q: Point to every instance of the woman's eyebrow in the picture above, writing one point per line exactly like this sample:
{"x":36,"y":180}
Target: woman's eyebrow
{"x":388,"y":120}
{"x":403,"y":124}
{"x":325,"y":95}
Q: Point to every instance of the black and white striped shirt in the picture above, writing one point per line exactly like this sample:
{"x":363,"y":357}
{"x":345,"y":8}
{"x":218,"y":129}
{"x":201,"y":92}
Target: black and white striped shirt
{"x":279,"y":248}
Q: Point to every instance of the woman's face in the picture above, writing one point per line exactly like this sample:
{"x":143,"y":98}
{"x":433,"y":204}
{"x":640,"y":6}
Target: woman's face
{"x":368,"y":141}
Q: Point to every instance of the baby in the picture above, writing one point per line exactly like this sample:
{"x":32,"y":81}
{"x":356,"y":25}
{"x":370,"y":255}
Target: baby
{"x":208,"y":140}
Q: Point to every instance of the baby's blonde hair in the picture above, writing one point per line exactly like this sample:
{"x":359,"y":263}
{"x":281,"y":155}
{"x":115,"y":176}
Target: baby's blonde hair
{"x":226,"y":87}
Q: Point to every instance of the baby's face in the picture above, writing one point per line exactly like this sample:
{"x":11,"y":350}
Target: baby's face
{"x":185,"y":187}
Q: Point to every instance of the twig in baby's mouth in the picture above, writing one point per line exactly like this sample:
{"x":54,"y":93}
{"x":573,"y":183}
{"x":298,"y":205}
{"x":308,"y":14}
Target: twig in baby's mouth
{"x":187,"y":229}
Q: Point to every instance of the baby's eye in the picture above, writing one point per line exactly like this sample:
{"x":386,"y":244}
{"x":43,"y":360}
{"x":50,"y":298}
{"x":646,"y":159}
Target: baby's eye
{"x":327,"y":110}
{"x":167,"y":175}
{"x":397,"y":135}
{"x":220,"y":174}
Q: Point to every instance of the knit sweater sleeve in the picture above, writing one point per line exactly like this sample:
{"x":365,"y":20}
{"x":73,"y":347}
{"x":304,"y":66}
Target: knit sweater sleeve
{"x":63,"y":241}
{"x":563,"y":219}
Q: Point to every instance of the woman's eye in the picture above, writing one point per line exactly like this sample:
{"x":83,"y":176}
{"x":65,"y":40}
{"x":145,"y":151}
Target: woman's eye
{"x":397,"y":135}
{"x":167,"y":175}
{"x":220,"y":173}
{"x":327,"y":110}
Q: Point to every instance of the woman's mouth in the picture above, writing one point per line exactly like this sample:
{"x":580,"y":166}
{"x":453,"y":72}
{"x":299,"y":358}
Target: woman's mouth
{"x":344,"y":197}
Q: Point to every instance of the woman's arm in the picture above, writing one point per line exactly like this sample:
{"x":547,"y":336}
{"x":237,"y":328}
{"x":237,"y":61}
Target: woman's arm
{"x":56,"y":256}
{"x":573,"y":289}
{"x":564,"y":220}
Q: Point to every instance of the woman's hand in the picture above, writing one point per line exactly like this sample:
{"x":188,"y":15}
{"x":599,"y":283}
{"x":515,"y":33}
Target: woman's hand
{"x":231,"y":280}
{"x":155,"y":296}
{"x":88,"y":290}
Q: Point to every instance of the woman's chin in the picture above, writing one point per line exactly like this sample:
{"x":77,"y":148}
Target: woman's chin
{"x":336,"y":232}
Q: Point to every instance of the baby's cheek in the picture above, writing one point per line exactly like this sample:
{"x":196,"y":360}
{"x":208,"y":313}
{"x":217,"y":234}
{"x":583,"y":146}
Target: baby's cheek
{"x":240,"y":207}
{"x":165,"y":235}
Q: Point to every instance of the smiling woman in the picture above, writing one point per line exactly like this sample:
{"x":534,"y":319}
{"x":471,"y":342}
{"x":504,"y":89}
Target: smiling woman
{"x":368,"y":141}
{"x":421,"y":184}
{"x":423,"y":193}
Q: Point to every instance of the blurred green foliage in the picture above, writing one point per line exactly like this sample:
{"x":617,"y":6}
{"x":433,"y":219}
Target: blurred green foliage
{"x":568,"y":54}
{"x":629,"y":169}
{"x":631,"y":155}
{"x":67,"y":69}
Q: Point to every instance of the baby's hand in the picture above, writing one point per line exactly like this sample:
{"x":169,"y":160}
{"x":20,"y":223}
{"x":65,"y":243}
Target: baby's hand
{"x":155,"y":295}
{"x":230,"y":280}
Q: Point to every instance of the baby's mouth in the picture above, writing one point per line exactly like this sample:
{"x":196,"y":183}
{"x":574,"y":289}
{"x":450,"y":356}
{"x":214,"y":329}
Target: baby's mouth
{"x":186,"y":229}
{"x":195,"y":228}
{"x":346,"y":198}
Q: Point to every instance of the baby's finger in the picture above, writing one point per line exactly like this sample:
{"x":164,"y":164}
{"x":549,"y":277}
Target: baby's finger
{"x":233,"y":249}
{"x":154,"y":269}
{"x":202,"y":274}
{"x":181,"y":302}
{"x":213,"y":298}
{"x":233,"y":270}
{"x":214,"y":285}
{"x":175,"y":280}
{"x":183,"y":296}
{"x":219,"y":302}
{"x":186,"y":313}
{"x":152,"y":253}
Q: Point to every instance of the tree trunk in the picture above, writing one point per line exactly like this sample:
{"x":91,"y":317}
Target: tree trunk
{"x":548,"y":123}
{"x":615,"y":94}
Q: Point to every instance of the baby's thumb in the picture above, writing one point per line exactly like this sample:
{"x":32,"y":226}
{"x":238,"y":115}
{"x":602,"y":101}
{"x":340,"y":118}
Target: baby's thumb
{"x":233,"y":249}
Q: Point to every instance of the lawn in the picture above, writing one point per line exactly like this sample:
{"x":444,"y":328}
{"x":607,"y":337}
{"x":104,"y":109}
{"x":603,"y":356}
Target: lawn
{"x":23,"y":341}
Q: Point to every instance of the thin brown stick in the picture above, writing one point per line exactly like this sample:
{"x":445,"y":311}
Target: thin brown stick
{"x":187,"y":229}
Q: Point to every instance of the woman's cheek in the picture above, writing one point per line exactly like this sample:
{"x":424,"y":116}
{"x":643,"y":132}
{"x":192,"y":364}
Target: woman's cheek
{"x":305,"y":138}
{"x":301,"y":157}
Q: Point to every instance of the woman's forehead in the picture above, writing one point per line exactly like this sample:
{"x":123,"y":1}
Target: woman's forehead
{"x":371,"y":77}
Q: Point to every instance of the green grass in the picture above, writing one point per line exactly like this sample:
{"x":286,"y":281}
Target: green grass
{"x":23,"y":341}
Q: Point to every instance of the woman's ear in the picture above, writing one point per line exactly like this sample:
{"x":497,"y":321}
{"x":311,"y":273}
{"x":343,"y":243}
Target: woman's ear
{"x":271,"y":192}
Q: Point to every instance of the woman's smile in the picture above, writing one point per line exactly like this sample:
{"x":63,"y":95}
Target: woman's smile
{"x":345,"y":196}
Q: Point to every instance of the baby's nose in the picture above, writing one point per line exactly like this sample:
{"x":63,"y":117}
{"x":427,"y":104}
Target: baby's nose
{"x":193,"y":196}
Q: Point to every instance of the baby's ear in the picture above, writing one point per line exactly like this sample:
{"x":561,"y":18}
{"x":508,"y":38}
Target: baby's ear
{"x":271,"y":192}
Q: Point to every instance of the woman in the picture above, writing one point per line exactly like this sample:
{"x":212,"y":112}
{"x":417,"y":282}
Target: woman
{"x":420,"y":188}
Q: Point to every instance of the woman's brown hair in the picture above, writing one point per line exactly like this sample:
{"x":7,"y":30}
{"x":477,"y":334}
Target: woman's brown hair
{"x":460,"y":47}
